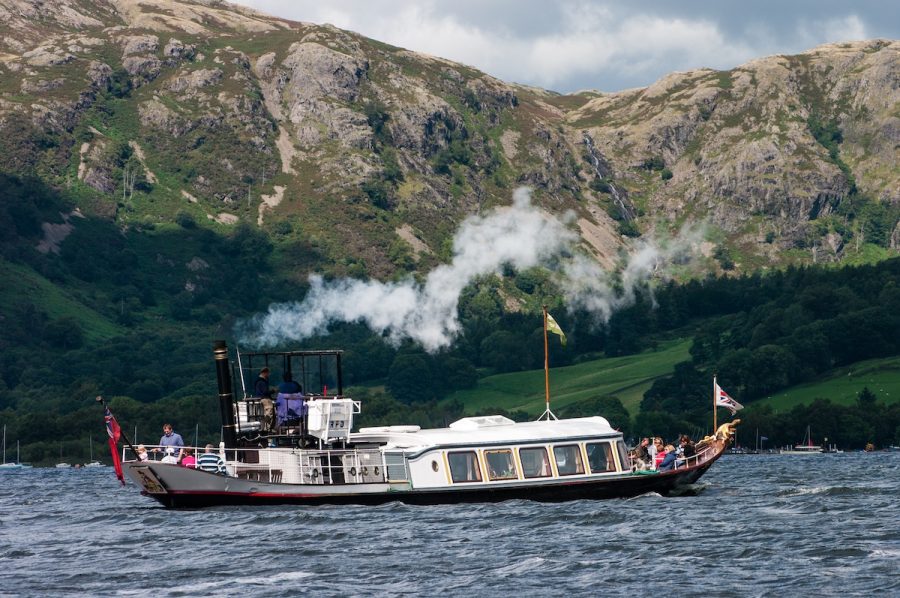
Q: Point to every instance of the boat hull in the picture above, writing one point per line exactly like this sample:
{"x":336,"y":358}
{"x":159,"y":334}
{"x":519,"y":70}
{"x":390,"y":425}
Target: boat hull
{"x":177,"y":487}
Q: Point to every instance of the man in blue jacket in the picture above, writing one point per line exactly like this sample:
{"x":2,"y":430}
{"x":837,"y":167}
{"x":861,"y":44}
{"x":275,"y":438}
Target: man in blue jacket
{"x":170,"y":438}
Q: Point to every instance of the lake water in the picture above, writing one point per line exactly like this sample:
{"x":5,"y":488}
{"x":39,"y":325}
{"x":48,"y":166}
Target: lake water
{"x":823,"y":525}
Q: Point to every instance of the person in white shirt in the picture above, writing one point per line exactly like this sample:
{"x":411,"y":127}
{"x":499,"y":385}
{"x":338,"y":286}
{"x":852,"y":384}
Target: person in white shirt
{"x":170,"y":456}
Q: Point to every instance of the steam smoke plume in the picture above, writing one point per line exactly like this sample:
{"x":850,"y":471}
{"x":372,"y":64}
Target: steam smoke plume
{"x":520,"y":236}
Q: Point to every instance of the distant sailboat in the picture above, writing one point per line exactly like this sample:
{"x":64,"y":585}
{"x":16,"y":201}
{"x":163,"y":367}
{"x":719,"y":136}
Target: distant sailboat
{"x":807,"y":448}
{"x":93,"y":463}
{"x":62,"y":464}
{"x":15,"y":464}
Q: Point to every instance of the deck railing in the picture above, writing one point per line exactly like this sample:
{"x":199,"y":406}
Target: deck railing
{"x":704,"y":453}
{"x":339,"y":466}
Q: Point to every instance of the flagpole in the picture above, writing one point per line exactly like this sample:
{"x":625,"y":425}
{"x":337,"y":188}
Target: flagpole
{"x":546,"y":368}
{"x":121,"y":431}
{"x":715,"y":385}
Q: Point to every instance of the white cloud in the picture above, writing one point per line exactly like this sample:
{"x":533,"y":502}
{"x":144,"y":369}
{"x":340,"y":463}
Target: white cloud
{"x":588,"y":41}
{"x":577,"y":44}
{"x":849,"y":28}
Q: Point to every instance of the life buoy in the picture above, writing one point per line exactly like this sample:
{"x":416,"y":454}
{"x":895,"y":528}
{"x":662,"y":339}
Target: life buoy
{"x":365,"y":471}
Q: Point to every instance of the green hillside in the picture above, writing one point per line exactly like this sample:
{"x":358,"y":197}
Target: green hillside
{"x":625,"y":377}
{"x":629,"y":378}
{"x":842,"y":385}
{"x":24,"y":285}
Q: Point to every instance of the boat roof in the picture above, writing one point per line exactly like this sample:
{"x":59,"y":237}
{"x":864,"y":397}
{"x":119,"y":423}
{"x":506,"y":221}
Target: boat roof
{"x":487,"y":430}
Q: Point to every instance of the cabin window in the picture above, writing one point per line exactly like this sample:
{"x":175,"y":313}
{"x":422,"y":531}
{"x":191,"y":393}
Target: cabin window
{"x":568,"y":459}
{"x":600,"y":457}
{"x":464,"y":467}
{"x":501,"y":465}
{"x":535,"y":462}
{"x":624,"y":459}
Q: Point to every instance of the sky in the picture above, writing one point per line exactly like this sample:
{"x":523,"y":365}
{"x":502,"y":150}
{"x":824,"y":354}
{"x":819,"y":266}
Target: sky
{"x":571,"y":45}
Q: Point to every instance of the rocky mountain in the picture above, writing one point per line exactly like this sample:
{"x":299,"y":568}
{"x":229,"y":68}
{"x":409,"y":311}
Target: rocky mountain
{"x":366,"y":156}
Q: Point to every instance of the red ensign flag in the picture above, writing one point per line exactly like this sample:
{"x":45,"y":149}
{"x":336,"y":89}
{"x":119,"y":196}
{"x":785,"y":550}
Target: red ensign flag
{"x":112,"y":428}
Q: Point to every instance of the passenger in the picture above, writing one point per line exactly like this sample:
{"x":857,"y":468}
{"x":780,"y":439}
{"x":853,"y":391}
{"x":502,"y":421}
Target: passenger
{"x":170,"y":438}
{"x":261,"y":386}
{"x":641,"y":455}
{"x":660,"y":452}
{"x":170,"y":457}
{"x":688,"y":449}
{"x":290,"y":404}
{"x":289,"y":386}
{"x":267,"y":423}
{"x":668,"y":462}
{"x":142,"y":453}
{"x":210,"y":461}
{"x":188,"y":460}
{"x":653,"y":452}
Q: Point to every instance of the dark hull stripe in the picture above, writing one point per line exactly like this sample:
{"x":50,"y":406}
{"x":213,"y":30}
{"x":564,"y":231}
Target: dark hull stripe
{"x":663,"y":483}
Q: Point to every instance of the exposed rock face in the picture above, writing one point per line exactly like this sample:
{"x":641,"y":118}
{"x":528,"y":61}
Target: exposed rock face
{"x":139,"y":44}
{"x":178,"y":50}
{"x":194,"y":80}
{"x":318,"y":72}
{"x":143,"y":68}
{"x":222,"y":100}
{"x":740,"y":144}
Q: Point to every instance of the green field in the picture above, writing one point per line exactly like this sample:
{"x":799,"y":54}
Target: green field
{"x":626,"y":377}
{"x":841,"y":386}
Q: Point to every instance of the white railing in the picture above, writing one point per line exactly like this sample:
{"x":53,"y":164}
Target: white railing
{"x":156,"y":452}
{"x":303,"y":466}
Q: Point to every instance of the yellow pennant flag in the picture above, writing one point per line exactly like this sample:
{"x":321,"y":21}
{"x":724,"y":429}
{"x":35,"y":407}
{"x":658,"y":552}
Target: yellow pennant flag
{"x":553,"y":327}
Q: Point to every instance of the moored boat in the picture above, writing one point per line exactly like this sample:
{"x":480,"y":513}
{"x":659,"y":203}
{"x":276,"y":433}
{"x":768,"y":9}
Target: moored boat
{"x":804,"y":448}
{"x":302,"y":450}
{"x":17,"y":464}
{"x":91,"y":462}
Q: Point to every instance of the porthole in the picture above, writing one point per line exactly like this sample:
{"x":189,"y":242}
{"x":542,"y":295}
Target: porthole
{"x":353,"y":471}
{"x":377,"y":471}
{"x":365,"y":470}
{"x":434,"y":465}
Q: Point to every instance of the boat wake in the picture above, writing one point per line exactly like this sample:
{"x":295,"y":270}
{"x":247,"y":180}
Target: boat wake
{"x":646,"y":495}
{"x":690,"y":490}
{"x":826,"y":491}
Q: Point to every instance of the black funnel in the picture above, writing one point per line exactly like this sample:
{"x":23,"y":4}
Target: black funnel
{"x":226,"y":397}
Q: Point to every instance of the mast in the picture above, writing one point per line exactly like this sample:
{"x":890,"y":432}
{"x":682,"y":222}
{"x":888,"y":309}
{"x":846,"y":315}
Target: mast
{"x":4,"y":444}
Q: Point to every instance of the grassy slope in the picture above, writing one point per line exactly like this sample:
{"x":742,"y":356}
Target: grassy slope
{"x":625,"y":377}
{"x":881,"y":376}
{"x":629,"y":378}
{"x":20,"y":282}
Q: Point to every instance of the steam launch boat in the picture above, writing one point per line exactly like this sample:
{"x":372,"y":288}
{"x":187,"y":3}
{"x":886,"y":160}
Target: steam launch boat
{"x":300,"y":449}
